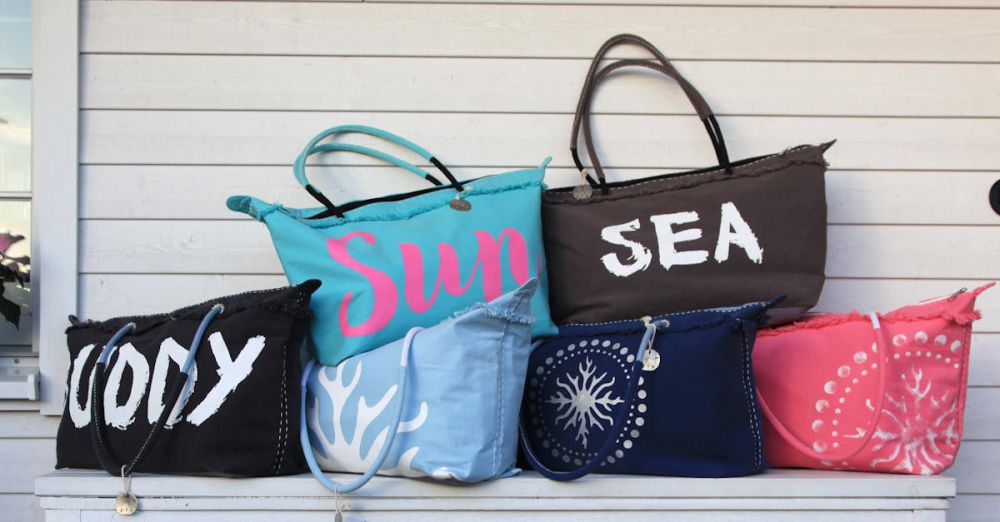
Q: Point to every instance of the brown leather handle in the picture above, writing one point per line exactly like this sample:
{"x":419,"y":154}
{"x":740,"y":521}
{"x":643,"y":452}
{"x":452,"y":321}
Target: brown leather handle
{"x":662,"y":65}
{"x":589,"y":83}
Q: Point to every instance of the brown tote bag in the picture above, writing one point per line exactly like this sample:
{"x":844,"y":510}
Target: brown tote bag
{"x":743,"y":231}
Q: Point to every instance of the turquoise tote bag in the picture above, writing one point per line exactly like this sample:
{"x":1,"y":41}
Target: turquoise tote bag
{"x":396,"y":262}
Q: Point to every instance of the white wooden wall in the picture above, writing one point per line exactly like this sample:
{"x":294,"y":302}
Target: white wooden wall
{"x":186,"y":102}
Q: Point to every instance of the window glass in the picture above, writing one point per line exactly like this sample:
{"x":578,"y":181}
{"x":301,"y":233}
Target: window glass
{"x":15,"y":135}
{"x":15,"y":272}
{"x":15,"y":34}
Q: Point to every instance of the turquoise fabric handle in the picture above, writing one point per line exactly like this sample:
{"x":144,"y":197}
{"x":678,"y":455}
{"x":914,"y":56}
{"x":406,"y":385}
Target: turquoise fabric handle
{"x":311,"y":148}
{"x":360,"y":149}
{"x":356,"y":484}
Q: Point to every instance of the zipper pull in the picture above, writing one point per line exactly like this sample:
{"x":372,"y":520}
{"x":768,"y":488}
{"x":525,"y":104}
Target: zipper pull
{"x":949,"y":297}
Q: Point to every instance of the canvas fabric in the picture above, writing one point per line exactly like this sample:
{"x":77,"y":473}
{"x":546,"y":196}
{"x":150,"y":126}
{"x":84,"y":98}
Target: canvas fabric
{"x":740,"y":232}
{"x":411,"y":259}
{"x":877,"y":392}
{"x":666,"y":395}
{"x":235,"y":416}
{"x":450,"y":400}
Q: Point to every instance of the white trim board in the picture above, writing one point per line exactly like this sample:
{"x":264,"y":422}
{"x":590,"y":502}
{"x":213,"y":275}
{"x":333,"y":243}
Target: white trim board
{"x":54,"y":160}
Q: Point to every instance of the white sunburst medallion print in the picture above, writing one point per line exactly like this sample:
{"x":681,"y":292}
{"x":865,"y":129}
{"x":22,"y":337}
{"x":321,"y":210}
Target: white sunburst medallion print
{"x":585,"y":400}
{"x":574,"y":395}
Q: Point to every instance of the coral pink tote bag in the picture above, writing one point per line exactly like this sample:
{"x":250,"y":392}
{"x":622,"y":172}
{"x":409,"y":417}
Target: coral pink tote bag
{"x":868,"y":393}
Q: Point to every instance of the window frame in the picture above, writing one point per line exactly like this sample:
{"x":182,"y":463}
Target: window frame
{"x":55,"y":110}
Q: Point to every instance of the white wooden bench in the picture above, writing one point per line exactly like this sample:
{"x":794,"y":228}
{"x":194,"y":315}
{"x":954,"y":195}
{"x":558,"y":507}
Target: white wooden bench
{"x":778,"y":495}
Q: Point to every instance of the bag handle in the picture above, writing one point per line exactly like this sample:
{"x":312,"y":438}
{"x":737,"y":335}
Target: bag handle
{"x":616,"y":426}
{"x":334,"y":210}
{"x":97,"y":428}
{"x":310,"y":455}
{"x":794,"y":441}
{"x":299,"y":168}
{"x":388,"y":158}
{"x":664,"y":66}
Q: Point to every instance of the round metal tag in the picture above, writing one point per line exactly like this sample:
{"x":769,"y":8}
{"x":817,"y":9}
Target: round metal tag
{"x":126,"y":504}
{"x":460,"y":204}
{"x":651,"y":360}
{"x":583,"y":191}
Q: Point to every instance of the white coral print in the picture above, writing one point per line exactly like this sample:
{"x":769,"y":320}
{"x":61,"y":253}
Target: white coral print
{"x":585,"y":401}
{"x":344,"y":452}
{"x":915,"y":426}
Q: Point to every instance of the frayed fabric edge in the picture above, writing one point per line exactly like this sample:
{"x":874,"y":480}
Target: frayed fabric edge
{"x":834,"y":319}
{"x":496,"y":312}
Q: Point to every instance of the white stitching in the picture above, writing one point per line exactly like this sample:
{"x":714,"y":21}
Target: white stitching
{"x":500,"y":398}
{"x":674,"y":314}
{"x":283,"y":418}
{"x":692,"y":174}
{"x":203,"y":303}
{"x":754,"y":420}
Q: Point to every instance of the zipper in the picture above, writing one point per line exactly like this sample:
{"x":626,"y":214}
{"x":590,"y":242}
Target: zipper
{"x":949,"y":297}
{"x":741,"y":163}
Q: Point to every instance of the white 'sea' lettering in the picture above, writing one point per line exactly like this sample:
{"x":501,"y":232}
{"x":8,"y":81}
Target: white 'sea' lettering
{"x":667,"y":238}
{"x":640,"y":255}
{"x":733,"y":230}
{"x":120,"y":416}
{"x":231,"y":374}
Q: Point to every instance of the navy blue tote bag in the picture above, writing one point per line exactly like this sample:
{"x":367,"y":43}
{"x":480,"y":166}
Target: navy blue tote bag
{"x":669,"y":395}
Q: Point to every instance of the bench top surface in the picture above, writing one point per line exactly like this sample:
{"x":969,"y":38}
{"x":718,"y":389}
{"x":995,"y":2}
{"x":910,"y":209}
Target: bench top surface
{"x":783,"y":483}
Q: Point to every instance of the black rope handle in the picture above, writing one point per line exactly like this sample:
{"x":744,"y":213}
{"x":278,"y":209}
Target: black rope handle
{"x":98,"y":433}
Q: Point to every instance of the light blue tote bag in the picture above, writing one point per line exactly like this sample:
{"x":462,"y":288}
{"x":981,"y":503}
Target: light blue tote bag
{"x":392,"y":263}
{"x":442,"y":402}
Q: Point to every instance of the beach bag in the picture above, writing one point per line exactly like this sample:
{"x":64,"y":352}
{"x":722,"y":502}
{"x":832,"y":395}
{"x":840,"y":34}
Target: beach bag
{"x":441,"y":403}
{"x":391,"y":263}
{"x":209,"y":389}
{"x":668,"y":395}
{"x":739,"y":232}
{"x":882,"y":392}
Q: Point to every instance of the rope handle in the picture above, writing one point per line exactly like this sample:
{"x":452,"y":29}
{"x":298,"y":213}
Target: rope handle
{"x":663,"y":65}
{"x":313,"y":147}
{"x":99,"y":439}
{"x":336,"y":487}
{"x":616,"y":426}
{"x":711,"y":124}
{"x":794,"y":441}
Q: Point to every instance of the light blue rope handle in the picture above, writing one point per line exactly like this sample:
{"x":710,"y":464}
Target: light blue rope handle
{"x":192,"y":351}
{"x":113,"y":342}
{"x":355,"y":485}
{"x":359,"y":149}
{"x":300,"y":162}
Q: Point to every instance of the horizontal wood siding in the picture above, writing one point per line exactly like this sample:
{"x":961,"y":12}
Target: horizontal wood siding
{"x":184,"y":103}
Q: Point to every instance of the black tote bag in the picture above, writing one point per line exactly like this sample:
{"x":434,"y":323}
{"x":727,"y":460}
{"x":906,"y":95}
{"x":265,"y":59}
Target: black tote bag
{"x":210,"y":389}
{"x":739,"y":232}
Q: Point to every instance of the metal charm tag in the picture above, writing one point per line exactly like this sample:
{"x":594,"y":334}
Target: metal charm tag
{"x":126,"y":504}
{"x":651,"y":360}
{"x":583,"y":191}
{"x":460,"y":204}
